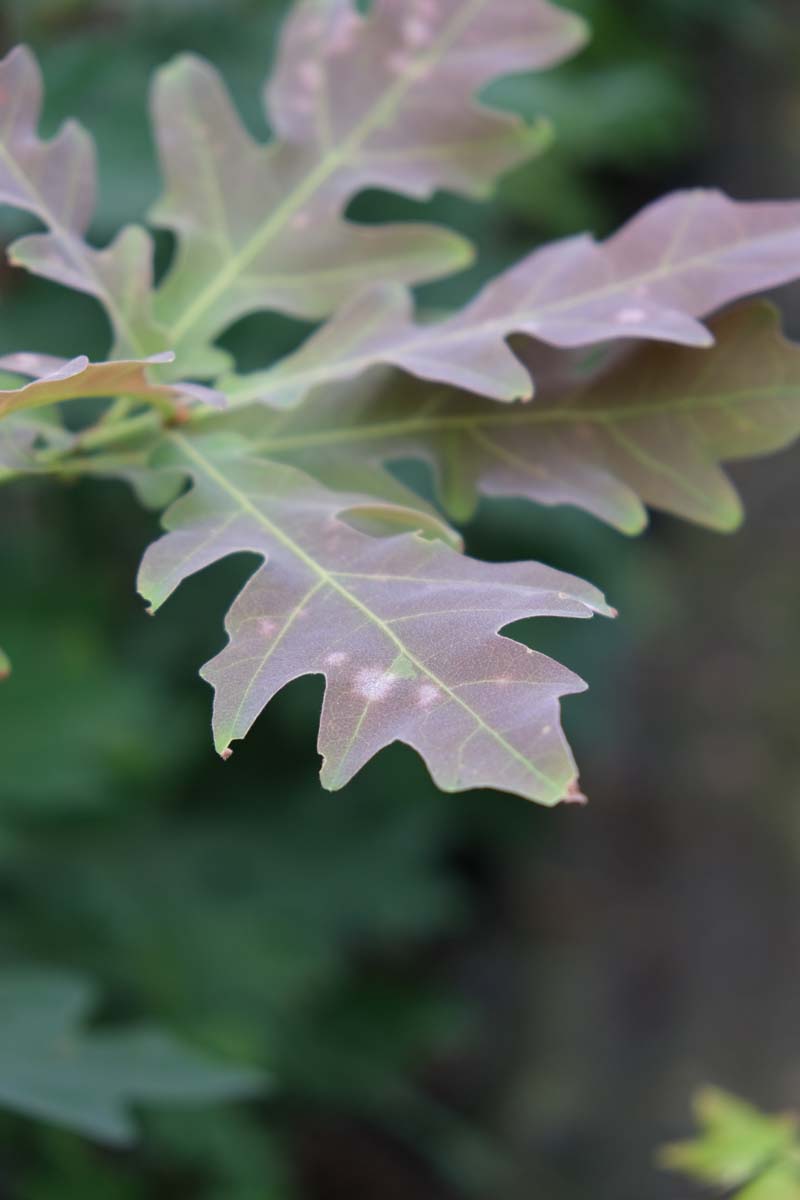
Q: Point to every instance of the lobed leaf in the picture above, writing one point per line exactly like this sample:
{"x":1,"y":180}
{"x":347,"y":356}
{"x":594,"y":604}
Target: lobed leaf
{"x":382,"y":100}
{"x":411,"y":70}
{"x":753,"y":1156}
{"x":402,"y":628}
{"x":56,"y":183}
{"x":649,"y":428}
{"x":57,"y":380}
{"x":50,"y":1069}
{"x":680,"y":259}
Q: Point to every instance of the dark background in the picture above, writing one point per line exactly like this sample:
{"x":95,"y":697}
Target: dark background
{"x":457,"y":996}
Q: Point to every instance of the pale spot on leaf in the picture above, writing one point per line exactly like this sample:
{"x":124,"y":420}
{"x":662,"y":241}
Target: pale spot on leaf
{"x":416,"y":32}
{"x":336,"y":659}
{"x":631,"y":316}
{"x":427,"y":695}
{"x":373,"y":684}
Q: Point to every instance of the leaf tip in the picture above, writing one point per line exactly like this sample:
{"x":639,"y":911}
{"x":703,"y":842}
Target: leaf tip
{"x":574,"y":795}
{"x":580,"y":32}
{"x":462,"y":252}
{"x":226,"y":754}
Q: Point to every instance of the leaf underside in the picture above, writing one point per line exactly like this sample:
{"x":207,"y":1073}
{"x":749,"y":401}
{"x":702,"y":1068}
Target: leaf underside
{"x":649,"y":427}
{"x":680,"y":259}
{"x":56,"y":381}
{"x":356,"y":102}
{"x":403,"y":629}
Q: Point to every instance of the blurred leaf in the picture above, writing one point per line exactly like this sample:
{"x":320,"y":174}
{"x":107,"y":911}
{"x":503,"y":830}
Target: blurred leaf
{"x":51,"y":1070}
{"x":740,"y":1148}
{"x":106,"y":714}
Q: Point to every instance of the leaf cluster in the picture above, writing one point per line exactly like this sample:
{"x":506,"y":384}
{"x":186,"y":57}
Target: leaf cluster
{"x":362,"y":582}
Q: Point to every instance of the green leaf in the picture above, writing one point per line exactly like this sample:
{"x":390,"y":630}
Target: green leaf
{"x":739,"y":1148}
{"x":51,"y":1070}
{"x":403,"y":628}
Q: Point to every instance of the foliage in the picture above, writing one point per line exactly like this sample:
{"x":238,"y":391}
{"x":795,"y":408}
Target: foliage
{"x":264,"y":227}
{"x":754,"y":1156}
{"x":50,"y":1070}
{"x":361,"y":579}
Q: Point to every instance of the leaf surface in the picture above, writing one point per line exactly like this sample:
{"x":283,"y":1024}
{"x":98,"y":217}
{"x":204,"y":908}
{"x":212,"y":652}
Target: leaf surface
{"x":56,"y":182}
{"x":650,"y":429}
{"x":357,"y":102}
{"x":52,"y":1070}
{"x":403,"y":629}
{"x":57,"y":380}
{"x":680,"y":259}
{"x":751,"y":1155}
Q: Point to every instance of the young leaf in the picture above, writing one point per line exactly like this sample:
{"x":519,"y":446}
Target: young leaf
{"x":681,"y":258}
{"x":56,"y":183}
{"x":51,"y":1070}
{"x":412,"y":69}
{"x":357,"y":102}
{"x":754,"y":1156}
{"x":403,"y":629}
{"x":649,"y":429}
{"x":80,"y":378}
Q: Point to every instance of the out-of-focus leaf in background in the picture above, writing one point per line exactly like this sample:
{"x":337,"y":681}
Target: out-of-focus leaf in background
{"x":52,"y":1070}
{"x":753,"y":1156}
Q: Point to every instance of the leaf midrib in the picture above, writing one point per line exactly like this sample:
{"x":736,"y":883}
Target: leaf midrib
{"x":510,"y":417}
{"x":453,"y":331}
{"x":554,"y":788}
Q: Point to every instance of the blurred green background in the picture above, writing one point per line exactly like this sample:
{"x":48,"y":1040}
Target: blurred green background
{"x":457,"y":996}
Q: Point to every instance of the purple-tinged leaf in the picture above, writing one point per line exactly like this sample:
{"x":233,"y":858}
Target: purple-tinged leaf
{"x":79,"y":378}
{"x":650,"y":428}
{"x":357,"y":102}
{"x":56,"y":182}
{"x":398,"y":87}
{"x":680,"y":259}
{"x":403,"y":629}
